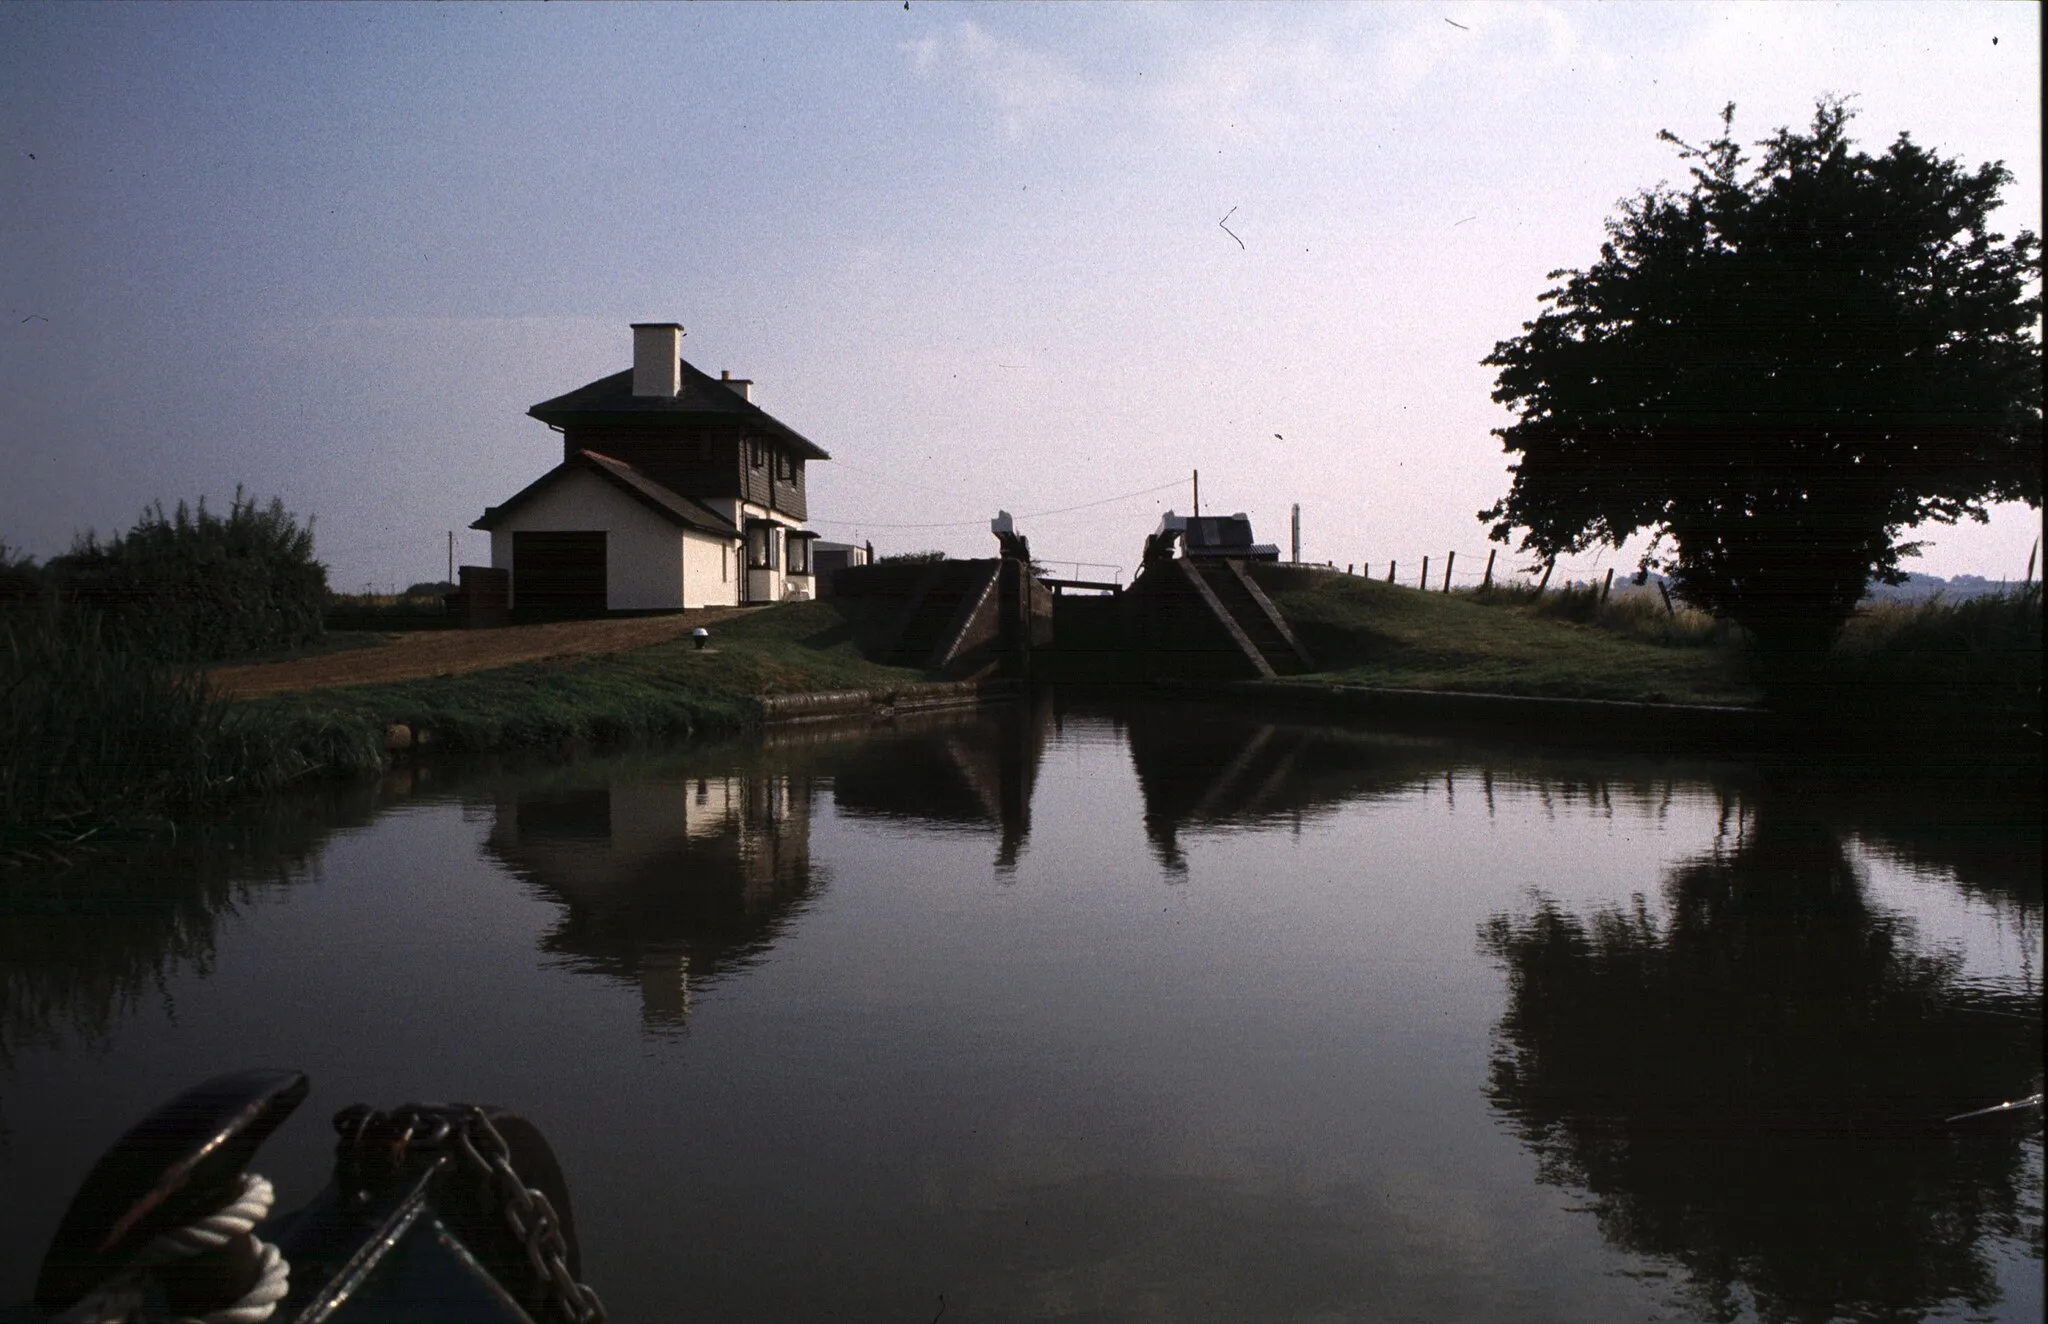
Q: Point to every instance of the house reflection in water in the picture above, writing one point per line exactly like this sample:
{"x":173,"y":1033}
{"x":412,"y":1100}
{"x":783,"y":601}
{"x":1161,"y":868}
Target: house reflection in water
{"x":666,"y":883}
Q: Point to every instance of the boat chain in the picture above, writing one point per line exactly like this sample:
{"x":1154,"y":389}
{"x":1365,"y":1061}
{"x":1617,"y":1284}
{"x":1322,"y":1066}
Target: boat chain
{"x":528,"y":1213}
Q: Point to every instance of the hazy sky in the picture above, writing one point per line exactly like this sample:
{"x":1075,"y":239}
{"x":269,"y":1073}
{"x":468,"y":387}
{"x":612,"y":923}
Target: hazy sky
{"x":333,"y":252}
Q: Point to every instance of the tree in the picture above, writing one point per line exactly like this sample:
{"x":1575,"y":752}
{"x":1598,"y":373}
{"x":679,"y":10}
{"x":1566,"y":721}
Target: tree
{"x":1777,"y":371}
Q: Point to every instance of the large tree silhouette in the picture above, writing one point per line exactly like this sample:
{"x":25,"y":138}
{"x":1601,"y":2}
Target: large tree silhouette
{"x":1778,"y":371}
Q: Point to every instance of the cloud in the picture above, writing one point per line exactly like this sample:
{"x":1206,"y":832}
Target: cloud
{"x":1023,"y":86}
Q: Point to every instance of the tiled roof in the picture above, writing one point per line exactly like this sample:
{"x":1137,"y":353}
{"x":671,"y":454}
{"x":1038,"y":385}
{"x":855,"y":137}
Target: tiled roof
{"x":688,"y":512}
{"x":611,"y":399}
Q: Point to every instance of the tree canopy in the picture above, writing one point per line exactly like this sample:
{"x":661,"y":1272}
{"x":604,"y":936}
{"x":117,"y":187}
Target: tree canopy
{"x":1777,"y":371}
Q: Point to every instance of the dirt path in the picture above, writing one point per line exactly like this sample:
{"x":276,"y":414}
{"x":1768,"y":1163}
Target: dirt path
{"x":451,"y":652}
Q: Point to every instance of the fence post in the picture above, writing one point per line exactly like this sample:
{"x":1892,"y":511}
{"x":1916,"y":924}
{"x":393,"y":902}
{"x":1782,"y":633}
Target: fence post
{"x":1449,"y":560}
{"x":1391,"y":565}
{"x":1487,"y":582}
{"x":1423,"y":583}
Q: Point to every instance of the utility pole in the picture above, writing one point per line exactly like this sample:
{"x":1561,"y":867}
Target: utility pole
{"x":451,"y":556}
{"x":1297,"y":533}
{"x":1198,"y":493}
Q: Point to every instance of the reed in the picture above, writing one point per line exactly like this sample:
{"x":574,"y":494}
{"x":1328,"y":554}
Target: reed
{"x":101,"y":738}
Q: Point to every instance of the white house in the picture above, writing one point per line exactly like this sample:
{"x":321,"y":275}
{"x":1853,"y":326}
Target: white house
{"x":675,"y":490}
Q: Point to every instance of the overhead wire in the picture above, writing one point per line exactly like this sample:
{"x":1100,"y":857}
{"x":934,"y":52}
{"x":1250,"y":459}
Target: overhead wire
{"x":1035,"y":514}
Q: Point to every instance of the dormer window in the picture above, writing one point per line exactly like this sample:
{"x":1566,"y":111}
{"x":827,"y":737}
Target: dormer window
{"x":756,"y":453}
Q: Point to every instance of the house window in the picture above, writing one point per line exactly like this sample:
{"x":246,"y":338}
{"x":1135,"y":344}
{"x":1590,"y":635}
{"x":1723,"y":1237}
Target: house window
{"x":799,"y":554}
{"x":754,"y":453}
{"x":763,"y":545}
{"x":785,"y":467}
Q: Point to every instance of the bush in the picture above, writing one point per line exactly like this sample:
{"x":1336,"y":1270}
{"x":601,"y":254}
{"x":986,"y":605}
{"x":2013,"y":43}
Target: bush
{"x":20,"y":581}
{"x":196,"y":586}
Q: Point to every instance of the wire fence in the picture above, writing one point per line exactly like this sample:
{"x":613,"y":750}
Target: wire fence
{"x":1477,"y":568}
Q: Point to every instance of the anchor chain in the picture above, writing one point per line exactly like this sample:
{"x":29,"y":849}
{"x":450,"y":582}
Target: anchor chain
{"x":466,"y":1131}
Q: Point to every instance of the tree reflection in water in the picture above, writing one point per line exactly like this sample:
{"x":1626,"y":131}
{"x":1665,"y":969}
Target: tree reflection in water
{"x":1754,"y":1084}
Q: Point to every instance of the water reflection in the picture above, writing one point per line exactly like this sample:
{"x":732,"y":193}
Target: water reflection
{"x":969,"y":773}
{"x":83,"y":943}
{"x":666,"y":882}
{"x":1207,"y":769}
{"x":1752,"y":1084}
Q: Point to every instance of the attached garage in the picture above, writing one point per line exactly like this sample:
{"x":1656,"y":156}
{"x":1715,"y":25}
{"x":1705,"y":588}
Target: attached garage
{"x":559,"y":573}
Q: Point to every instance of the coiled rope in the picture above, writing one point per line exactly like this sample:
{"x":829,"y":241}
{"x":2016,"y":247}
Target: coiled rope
{"x":120,"y":1299}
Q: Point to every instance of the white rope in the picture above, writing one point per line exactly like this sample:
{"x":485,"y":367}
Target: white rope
{"x":119,"y":1300}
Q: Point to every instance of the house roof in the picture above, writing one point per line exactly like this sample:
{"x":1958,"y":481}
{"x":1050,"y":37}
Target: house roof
{"x":688,"y":512}
{"x":703,"y":399}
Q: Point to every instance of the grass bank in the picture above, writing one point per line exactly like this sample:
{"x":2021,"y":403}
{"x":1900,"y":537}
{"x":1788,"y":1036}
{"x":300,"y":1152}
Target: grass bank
{"x":1905,"y":681}
{"x":103,"y":744}
{"x":102,"y":740}
{"x":666,"y":691}
{"x":1509,"y":641}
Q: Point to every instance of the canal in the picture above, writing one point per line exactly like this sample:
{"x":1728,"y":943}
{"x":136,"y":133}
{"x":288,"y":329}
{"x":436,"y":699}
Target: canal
{"x":1120,"y":1013}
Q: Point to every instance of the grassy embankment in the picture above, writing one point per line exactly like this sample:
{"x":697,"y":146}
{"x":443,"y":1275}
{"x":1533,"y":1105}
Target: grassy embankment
{"x":1937,"y":677}
{"x":1509,"y":641}
{"x":100,"y":742}
{"x":668,"y":690}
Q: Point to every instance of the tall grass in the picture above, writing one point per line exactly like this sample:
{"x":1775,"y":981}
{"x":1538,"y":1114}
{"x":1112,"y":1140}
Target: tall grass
{"x":1636,"y":613}
{"x":99,"y":736}
{"x":1961,"y":675}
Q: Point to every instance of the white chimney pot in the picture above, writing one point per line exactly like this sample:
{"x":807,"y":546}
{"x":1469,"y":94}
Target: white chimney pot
{"x":658,"y":359}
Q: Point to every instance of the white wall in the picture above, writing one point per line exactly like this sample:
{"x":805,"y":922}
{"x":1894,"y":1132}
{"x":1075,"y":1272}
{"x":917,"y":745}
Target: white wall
{"x":643,"y":551}
{"x":711,"y":570}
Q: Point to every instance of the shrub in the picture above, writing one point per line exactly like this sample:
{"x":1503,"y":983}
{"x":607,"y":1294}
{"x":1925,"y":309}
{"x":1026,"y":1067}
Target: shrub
{"x":199,"y":586}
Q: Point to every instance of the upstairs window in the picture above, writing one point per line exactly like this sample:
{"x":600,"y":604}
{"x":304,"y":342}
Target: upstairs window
{"x":756,"y":456}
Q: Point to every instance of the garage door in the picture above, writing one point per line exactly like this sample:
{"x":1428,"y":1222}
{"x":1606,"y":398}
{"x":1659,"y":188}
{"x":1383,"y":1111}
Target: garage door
{"x":558,"y":574}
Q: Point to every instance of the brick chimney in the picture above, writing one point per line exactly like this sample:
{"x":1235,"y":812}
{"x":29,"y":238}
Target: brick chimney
{"x":657,"y":358}
{"x":743,"y":387}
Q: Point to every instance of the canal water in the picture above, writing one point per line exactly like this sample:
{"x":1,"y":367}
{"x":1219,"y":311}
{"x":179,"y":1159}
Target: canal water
{"x":1143,"y":1013}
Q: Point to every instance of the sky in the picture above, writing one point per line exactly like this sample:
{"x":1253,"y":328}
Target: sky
{"x":1044,"y":258}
